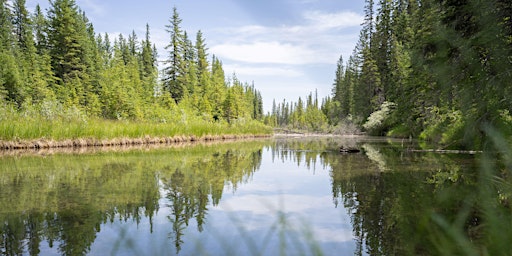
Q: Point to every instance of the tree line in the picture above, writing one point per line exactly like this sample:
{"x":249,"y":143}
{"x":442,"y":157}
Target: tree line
{"x":55,"y":60}
{"x":435,"y":69}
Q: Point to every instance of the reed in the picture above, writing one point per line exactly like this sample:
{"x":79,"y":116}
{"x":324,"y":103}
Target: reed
{"x":16,"y":126}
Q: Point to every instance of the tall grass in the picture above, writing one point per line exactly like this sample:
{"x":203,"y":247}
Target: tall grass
{"x":72,"y":124}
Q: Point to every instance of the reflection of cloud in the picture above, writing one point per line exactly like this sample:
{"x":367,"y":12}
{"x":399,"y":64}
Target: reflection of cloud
{"x":270,"y":204}
{"x":332,"y":235}
{"x":257,"y":212}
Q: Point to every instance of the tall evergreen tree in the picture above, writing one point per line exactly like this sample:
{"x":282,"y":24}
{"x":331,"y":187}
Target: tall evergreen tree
{"x":34,"y":70}
{"x":67,"y":50}
{"x":341,"y":92}
{"x":218,"y":87}
{"x":149,"y":68}
{"x":10,"y":78}
{"x":203,"y":74}
{"x":173,"y":71}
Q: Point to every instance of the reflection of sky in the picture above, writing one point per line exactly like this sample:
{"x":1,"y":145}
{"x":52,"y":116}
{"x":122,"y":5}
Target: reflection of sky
{"x":247,"y":220}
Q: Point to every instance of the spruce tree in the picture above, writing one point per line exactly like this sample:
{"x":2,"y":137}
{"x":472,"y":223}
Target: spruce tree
{"x":218,"y":88}
{"x":67,"y":50}
{"x":10,"y":78}
{"x":173,"y":72}
{"x":149,"y":71}
{"x":33,"y":65}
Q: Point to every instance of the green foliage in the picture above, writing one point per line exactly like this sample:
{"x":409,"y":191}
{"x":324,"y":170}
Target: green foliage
{"x":426,"y":56}
{"x":445,"y":126}
{"x":308,"y":116}
{"x":69,"y":197}
{"x":55,"y":63}
{"x":379,"y":121}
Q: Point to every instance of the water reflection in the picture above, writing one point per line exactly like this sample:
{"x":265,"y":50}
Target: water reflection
{"x":268,"y":196}
{"x":390,"y":192}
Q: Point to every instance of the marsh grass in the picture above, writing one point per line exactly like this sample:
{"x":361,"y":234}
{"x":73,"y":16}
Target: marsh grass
{"x":72,"y":124}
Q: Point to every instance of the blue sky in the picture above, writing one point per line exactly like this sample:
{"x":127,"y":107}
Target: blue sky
{"x":289,"y":48}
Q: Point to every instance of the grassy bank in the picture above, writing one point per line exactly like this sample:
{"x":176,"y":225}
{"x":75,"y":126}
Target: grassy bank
{"x":33,"y":130}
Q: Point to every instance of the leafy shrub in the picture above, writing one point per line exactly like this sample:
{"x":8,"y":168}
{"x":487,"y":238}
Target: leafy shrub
{"x":380,"y":121}
{"x":446,"y":127}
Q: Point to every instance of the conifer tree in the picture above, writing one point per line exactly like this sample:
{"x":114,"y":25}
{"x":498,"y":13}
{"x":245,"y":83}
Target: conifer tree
{"x":10,"y":79}
{"x":149,"y":70}
{"x":218,"y":88}
{"x":340,"y":92}
{"x":34,"y":68}
{"x":189,"y":77}
{"x":203,"y":74}
{"x":173,"y":72}
{"x":66,"y":39}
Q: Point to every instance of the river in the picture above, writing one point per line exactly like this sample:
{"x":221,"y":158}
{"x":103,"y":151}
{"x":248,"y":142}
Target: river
{"x":289,"y":196}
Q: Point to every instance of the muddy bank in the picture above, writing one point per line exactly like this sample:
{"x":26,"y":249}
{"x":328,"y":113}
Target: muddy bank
{"x":91,"y":142}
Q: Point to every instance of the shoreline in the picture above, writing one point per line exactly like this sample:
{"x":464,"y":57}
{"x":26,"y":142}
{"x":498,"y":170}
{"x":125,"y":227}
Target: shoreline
{"x":37,"y":144}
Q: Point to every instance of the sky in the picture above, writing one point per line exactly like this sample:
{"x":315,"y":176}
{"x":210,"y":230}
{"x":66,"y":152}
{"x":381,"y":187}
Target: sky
{"x":288,"y":48}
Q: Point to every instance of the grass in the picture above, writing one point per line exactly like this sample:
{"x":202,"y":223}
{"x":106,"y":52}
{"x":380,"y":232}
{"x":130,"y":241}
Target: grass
{"x":16,"y":126}
{"x":107,"y":129}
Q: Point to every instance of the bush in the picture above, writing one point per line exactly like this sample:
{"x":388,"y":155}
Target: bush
{"x":380,"y":121}
{"x":445,"y":127}
{"x":346,"y":126}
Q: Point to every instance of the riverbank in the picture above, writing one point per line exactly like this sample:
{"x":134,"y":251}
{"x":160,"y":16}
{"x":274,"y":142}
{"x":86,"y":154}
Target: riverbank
{"x":36,"y":132}
{"x":91,"y":142}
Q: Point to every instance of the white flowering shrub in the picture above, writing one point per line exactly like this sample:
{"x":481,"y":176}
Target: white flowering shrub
{"x":377,"y":121}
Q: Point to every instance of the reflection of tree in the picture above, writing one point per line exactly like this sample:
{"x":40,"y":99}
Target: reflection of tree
{"x":179,"y":204}
{"x":64,"y":200}
{"x":390,"y":210}
{"x":189,"y":186}
{"x":389,"y":193}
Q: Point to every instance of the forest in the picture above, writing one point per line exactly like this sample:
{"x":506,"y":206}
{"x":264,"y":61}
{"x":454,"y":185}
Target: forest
{"x":56,"y":71}
{"x":438,"y":70}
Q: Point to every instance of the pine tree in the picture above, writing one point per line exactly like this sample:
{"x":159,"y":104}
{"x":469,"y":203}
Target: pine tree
{"x":173,"y":72}
{"x":189,"y":77}
{"x":34,"y":68}
{"x":367,"y":92}
{"x":149,"y":71}
{"x":341,"y":96}
{"x":66,"y":39}
{"x":203,"y":74}
{"x":10,"y":78}
{"x":216,"y":98}
{"x":381,"y":49}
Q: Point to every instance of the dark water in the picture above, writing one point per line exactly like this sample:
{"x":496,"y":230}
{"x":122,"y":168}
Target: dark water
{"x":268,"y":197}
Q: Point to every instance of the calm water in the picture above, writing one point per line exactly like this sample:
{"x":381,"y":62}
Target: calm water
{"x":288,"y":196}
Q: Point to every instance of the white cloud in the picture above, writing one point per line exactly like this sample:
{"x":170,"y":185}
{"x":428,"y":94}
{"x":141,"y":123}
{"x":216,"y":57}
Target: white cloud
{"x":266,"y":52}
{"x":263,"y":71}
{"x":319,"y":40}
{"x":338,"y":20}
{"x":94,"y":6}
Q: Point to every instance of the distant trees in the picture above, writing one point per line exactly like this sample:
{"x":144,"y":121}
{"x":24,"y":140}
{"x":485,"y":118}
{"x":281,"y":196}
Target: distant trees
{"x":56,"y":59}
{"x":300,"y":115}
